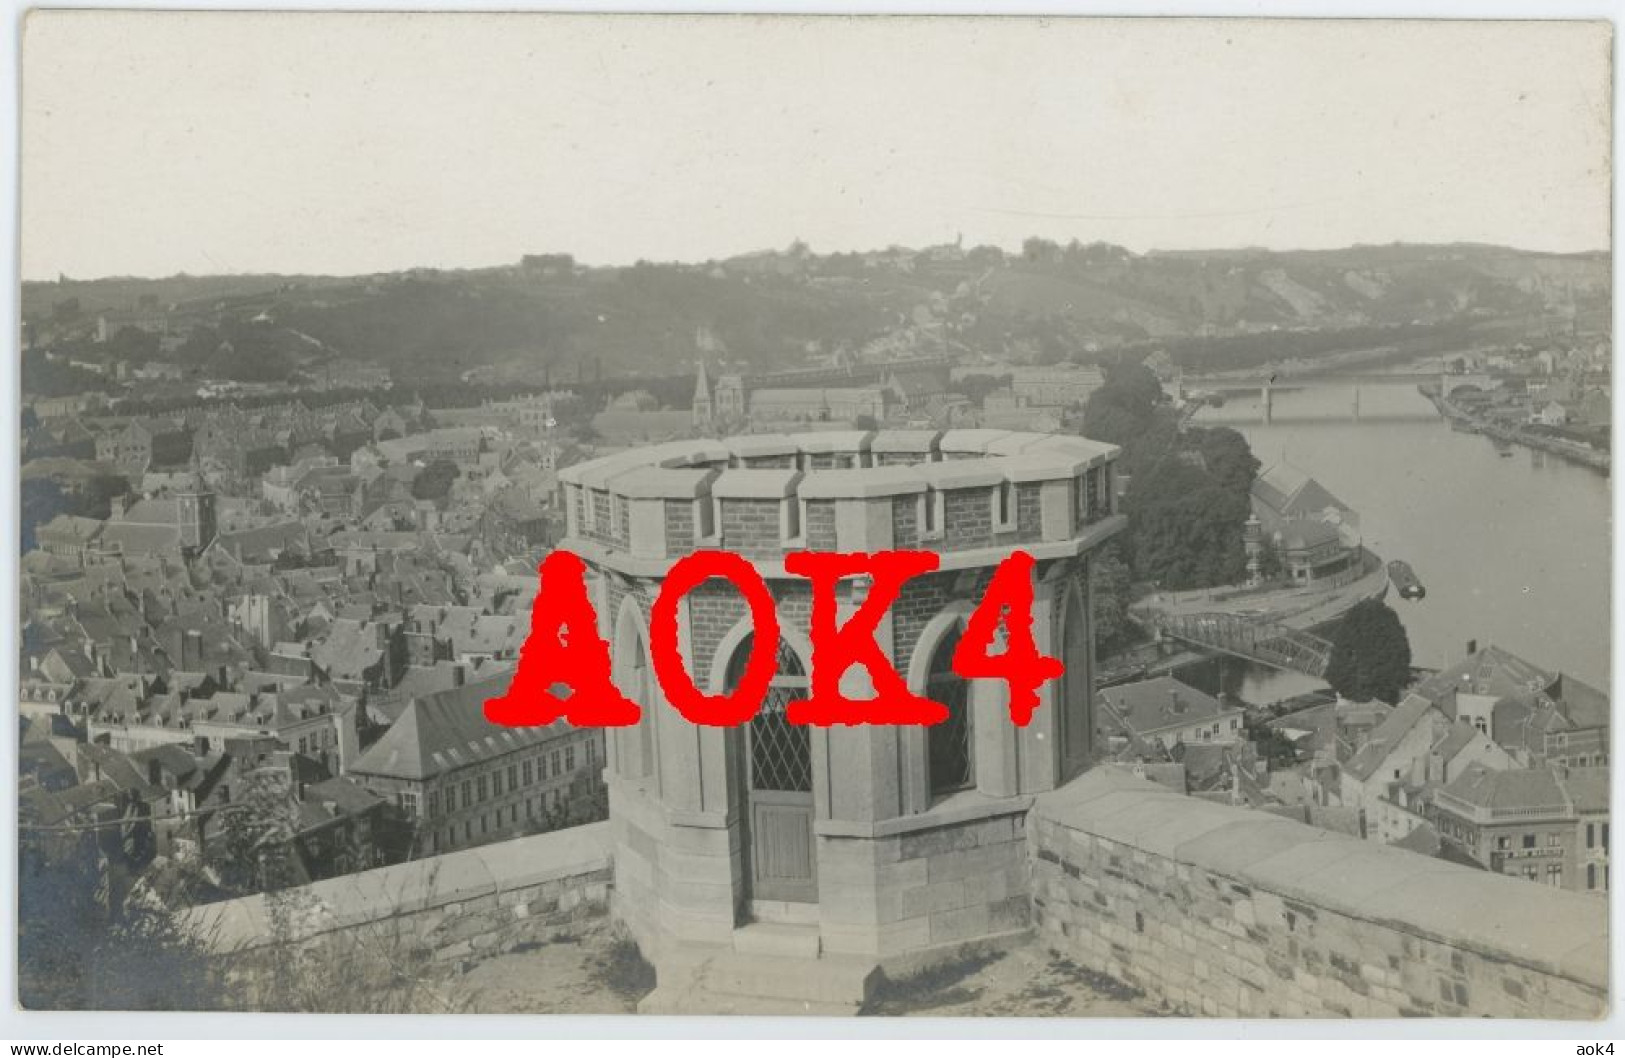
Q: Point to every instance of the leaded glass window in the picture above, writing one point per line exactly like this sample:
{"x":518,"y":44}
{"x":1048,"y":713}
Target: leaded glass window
{"x":780,"y":753}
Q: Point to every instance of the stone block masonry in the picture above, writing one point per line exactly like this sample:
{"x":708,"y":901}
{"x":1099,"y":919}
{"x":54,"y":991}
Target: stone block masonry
{"x":926,"y":885}
{"x":1226,"y":912}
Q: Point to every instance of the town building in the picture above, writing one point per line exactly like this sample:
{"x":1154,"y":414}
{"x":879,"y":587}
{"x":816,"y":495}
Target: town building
{"x":460,"y":781}
{"x":1169,"y":713}
{"x":1059,"y":385}
{"x":1313,"y":534}
{"x":182,"y":524}
{"x":1538,"y":717}
{"x":1546,"y":825}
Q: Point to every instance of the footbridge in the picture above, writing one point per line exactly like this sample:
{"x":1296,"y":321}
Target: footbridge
{"x":1268,"y":642}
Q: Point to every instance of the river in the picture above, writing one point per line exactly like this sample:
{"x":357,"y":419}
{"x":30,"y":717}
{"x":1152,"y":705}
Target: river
{"x":1513,"y":551}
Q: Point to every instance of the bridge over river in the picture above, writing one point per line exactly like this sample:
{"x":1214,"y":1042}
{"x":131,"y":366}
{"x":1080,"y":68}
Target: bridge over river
{"x":1272,"y":626}
{"x":1268,"y":642}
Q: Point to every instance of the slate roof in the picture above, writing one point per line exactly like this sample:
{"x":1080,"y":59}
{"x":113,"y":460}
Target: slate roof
{"x":1290,"y":492}
{"x":1456,"y":739}
{"x":1531,"y":790}
{"x":349,"y":650}
{"x":346,"y":797}
{"x":1148,"y":705}
{"x":141,"y":539}
{"x":1386,"y":737}
{"x":1489,"y":671}
{"x":1304,"y":534}
{"x":1583,"y":704}
{"x":263,"y":544}
{"x":448,"y":731}
{"x":70,"y":527}
{"x":1424,"y":839}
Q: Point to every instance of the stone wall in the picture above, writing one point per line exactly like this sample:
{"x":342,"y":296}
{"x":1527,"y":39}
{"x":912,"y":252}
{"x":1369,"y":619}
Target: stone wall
{"x":925,"y":883}
{"x":470,"y":904}
{"x":1224,"y":911}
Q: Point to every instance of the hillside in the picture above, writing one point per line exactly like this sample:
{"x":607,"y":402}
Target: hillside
{"x":550,"y":319}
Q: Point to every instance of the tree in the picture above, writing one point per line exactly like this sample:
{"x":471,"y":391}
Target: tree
{"x":1371,"y":654}
{"x":1124,"y":407}
{"x":84,"y":944}
{"x":1110,"y":586}
{"x":1186,"y":527}
{"x":1227,"y":456}
{"x":1272,"y":745}
{"x":434,"y":481}
{"x":976,"y":387}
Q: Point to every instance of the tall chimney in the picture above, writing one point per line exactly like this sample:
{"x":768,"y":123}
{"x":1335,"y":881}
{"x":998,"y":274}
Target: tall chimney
{"x":1472,"y":646}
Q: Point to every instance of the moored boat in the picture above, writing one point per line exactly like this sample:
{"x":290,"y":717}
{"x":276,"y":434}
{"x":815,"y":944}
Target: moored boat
{"x":1404,"y":578}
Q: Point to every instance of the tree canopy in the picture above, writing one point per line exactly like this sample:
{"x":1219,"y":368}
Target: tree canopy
{"x":434,"y":481}
{"x":1189,"y":491}
{"x":1371,"y":654}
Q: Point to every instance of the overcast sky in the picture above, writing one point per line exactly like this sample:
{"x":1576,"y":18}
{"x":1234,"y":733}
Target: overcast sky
{"x":159,"y":143}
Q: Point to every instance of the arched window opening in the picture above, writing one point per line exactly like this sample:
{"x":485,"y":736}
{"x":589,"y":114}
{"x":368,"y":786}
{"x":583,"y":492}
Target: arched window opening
{"x":950,"y":758}
{"x":635,"y":678}
{"x":1077,"y":716}
{"x":780,"y":753}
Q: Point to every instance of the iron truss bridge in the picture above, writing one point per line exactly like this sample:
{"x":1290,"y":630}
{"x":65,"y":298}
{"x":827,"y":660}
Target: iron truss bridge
{"x":1269,"y":642}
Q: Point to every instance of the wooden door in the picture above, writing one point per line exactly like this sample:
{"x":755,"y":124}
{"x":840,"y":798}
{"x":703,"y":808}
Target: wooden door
{"x":779,"y":794}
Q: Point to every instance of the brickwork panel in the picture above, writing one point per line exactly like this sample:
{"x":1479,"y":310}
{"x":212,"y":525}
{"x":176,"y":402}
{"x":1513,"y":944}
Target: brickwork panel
{"x":753,"y":528}
{"x":820,"y":525}
{"x":905,"y":519}
{"x":967,"y":519}
{"x":679,"y":527}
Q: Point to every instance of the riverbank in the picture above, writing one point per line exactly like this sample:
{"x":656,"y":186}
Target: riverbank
{"x":1583,"y":455}
{"x":1298,"y":606}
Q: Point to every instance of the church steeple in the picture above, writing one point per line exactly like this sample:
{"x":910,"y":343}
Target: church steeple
{"x":704,"y":408}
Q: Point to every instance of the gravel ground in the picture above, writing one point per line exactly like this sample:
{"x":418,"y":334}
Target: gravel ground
{"x":1024,"y":982}
{"x":597,"y":973}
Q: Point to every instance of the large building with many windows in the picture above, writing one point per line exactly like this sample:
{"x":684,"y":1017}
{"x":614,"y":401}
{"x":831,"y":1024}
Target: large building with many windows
{"x":860,"y":842}
{"x":1547,"y":825}
{"x":460,"y":781}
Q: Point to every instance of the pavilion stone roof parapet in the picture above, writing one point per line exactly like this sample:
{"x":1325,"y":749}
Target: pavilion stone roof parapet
{"x":758,"y":446}
{"x":755,"y":484}
{"x":596,"y":473}
{"x":691,"y":454}
{"x":1017,"y":444}
{"x":862,"y":484}
{"x":1041,"y":466}
{"x":663,"y":483}
{"x":665,"y":500}
{"x":974,"y":442}
{"x":964,"y":474}
{"x":825,"y":442}
{"x":919,"y":442}
{"x":1095,"y":453}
